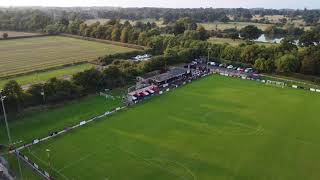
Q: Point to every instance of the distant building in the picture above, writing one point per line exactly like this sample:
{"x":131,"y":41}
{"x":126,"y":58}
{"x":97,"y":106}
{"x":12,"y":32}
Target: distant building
{"x":171,"y":75}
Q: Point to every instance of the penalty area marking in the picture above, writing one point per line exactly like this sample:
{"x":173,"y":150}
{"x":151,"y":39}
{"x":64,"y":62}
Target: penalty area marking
{"x":76,"y":161}
{"x":194,"y":177}
{"x":45,"y":163}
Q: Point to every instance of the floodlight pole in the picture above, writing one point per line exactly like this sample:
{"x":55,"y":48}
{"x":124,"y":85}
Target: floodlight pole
{"x":43,"y":95}
{"x":49,"y":159}
{"x":5,"y":118}
{"x":42,"y":90}
{"x":208,"y":57}
{"x":8,"y":130}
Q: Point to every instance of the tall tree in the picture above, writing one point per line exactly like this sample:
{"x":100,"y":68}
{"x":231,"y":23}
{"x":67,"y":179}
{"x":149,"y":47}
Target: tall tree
{"x":124,"y":35}
{"x":250,"y":32}
{"x":5,"y":35}
{"x":115,"y":35}
{"x":309,"y":38}
{"x":15,"y":95}
{"x":142,"y":39}
{"x":203,"y":33}
{"x":288,"y":63}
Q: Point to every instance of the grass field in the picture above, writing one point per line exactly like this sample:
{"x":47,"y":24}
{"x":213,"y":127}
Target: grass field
{"x":215,"y":128}
{"x":22,"y":128}
{"x":17,"y":34}
{"x":233,"y":42}
{"x":46,"y":75}
{"x":55,"y":118}
{"x":27,"y":55}
{"x":299,"y":22}
{"x":272,"y":19}
{"x":237,"y":25}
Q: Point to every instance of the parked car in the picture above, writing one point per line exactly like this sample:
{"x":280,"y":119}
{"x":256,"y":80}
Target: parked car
{"x":240,"y":69}
{"x":223,"y":65}
{"x":230,"y":67}
{"x":212,"y":63}
{"x":248,"y":70}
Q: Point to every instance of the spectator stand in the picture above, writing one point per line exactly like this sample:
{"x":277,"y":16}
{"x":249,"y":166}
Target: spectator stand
{"x":158,"y":83}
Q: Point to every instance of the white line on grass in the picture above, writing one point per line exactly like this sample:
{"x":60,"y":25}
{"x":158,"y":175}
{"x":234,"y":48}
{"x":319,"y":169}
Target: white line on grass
{"x":45,"y":163}
{"x":179,"y":164}
{"x":76,"y":161}
{"x":147,"y":161}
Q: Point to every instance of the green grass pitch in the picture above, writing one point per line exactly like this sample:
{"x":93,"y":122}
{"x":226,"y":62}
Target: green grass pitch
{"x":27,"y":55}
{"x":215,"y":128}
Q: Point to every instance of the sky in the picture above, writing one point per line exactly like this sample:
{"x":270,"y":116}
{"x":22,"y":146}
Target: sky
{"x":276,"y":4}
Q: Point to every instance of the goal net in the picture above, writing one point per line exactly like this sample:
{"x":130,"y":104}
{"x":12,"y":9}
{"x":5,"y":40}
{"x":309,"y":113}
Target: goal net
{"x":276,"y":83}
{"x":107,"y":96}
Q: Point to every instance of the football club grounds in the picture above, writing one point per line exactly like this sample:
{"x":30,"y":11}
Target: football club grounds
{"x":214,"y":128}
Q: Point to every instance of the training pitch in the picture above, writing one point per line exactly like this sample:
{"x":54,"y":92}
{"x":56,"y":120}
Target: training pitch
{"x":31,"y":54}
{"x":214,"y":128}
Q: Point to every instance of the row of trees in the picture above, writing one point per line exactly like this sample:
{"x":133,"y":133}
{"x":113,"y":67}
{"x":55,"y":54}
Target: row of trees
{"x":182,"y":48}
{"x":118,"y":74}
{"x":24,"y":20}
{"x":286,"y":57}
{"x":38,"y":18}
{"x":138,"y":33}
{"x":116,"y":31}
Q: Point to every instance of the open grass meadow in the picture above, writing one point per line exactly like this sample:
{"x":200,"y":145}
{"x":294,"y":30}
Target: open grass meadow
{"x":46,"y":75}
{"x":31,"y":54}
{"x":237,"y":25}
{"x":214,"y":128}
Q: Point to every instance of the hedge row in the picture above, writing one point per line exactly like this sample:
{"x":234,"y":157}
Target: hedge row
{"x":23,"y":37}
{"x":133,"y":46}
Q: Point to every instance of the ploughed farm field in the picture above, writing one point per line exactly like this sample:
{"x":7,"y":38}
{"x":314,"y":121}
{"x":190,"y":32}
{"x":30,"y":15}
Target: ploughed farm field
{"x":38,"y":53}
{"x":214,"y":128}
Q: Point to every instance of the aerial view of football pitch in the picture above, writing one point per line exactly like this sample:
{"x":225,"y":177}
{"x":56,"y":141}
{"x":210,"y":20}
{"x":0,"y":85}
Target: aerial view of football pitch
{"x":214,"y":128}
{"x":26,"y":55}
